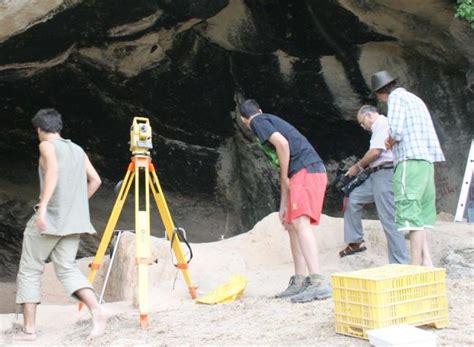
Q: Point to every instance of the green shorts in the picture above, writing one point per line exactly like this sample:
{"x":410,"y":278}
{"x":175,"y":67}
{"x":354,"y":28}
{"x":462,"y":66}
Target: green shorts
{"x":415,"y":195}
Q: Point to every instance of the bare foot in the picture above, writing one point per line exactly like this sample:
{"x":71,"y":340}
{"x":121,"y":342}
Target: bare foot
{"x":99,"y":320}
{"x":22,"y":335}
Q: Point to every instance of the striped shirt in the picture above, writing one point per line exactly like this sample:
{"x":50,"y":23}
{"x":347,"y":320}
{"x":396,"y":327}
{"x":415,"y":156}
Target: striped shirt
{"x":412,"y":127}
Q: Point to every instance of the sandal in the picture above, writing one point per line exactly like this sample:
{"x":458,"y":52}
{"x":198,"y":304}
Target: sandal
{"x":353,"y":248}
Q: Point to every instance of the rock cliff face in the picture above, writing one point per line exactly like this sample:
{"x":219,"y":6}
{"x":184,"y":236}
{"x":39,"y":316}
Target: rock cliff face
{"x":186,"y":65}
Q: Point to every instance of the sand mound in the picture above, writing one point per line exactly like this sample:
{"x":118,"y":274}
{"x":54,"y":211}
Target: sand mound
{"x":262,"y":255}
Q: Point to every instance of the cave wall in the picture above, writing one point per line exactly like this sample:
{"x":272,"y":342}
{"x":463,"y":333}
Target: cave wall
{"x":187,"y":64}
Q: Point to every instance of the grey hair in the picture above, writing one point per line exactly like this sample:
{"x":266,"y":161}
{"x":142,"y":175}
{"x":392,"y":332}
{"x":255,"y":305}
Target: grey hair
{"x":367,"y":109}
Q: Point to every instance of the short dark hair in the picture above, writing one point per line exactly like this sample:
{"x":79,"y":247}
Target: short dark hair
{"x":388,"y":88}
{"x":48,"y":120}
{"x":248,"y":108}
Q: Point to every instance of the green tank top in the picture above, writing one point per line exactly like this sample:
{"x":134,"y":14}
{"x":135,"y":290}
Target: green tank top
{"x":68,"y":210}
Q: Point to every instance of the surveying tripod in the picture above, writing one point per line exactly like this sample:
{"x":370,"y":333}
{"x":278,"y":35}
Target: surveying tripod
{"x":141,"y":165}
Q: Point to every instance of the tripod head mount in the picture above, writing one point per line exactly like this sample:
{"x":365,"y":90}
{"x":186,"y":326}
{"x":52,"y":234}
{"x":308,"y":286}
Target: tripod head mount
{"x":140,"y":136}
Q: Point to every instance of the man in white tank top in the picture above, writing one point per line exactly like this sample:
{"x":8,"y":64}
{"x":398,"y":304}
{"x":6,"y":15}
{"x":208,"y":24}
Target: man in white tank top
{"x":67,"y":180}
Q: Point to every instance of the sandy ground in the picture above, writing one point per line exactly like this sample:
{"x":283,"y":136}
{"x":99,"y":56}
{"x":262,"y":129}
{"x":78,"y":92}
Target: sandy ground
{"x":262,"y":256}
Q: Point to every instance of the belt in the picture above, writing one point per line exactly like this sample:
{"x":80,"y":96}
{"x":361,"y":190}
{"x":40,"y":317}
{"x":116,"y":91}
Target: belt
{"x":381,"y":167}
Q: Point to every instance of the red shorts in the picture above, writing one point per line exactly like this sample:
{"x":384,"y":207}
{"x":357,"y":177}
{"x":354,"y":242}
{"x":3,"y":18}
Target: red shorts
{"x":306,"y":196}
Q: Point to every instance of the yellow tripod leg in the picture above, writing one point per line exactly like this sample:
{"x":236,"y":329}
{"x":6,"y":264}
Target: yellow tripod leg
{"x":170,"y":227}
{"x":114,"y":216}
{"x":112,"y":222}
{"x":142,"y":238}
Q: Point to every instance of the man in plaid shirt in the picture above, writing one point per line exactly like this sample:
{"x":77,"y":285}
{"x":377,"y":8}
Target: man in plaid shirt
{"x":415,"y":147}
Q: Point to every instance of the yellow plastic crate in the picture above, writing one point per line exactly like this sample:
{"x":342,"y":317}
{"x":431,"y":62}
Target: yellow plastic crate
{"x":389,"y":295}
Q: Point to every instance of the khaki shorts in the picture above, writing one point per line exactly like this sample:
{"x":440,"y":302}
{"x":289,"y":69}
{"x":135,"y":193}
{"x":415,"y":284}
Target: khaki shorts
{"x":36,"y":249}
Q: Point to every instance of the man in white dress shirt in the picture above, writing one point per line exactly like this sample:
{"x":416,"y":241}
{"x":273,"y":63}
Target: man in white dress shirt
{"x":378,"y":161}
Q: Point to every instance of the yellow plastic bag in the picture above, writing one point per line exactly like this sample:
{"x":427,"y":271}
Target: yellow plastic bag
{"x":226,"y":292}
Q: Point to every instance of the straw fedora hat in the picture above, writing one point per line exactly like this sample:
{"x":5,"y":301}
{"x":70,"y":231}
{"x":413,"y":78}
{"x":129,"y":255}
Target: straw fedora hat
{"x":381,"y":79}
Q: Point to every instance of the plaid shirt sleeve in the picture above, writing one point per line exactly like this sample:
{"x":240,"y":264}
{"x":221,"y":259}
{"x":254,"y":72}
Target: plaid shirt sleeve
{"x":397,"y":111}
